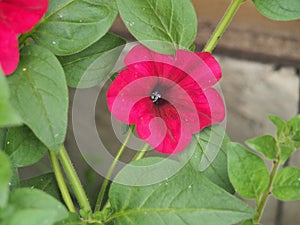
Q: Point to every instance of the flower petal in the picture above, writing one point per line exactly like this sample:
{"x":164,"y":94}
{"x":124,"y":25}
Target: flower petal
{"x":160,"y":126}
{"x":216,"y":106}
{"x":22,"y":15}
{"x":9,"y":51}
{"x":212,"y":64}
{"x":202,"y":67}
{"x":126,"y":91}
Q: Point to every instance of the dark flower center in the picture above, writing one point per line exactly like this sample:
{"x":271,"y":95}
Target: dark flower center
{"x":155,"y":96}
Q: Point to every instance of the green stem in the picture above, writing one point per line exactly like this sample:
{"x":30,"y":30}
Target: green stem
{"x":219,"y":31}
{"x":142,"y":152}
{"x":74,"y":180}
{"x":61,"y":182}
{"x":110,"y":170}
{"x":263,"y":200}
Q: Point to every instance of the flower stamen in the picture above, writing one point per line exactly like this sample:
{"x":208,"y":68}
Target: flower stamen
{"x":155,"y":96}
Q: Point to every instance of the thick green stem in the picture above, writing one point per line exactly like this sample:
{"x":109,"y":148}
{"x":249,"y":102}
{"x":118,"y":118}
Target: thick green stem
{"x":74,"y":180}
{"x":142,"y":152}
{"x":263,"y":200}
{"x":219,"y":31}
{"x":110,"y":171}
{"x":61,"y":182}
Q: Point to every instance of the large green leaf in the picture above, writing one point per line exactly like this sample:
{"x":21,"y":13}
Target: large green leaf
{"x":23,"y":147}
{"x":34,"y":207}
{"x":279,"y":9}
{"x":286,"y":185}
{"x":45,"y":182}
{"x":208,"y":153}
{"x":40,"y":94}
{"x":70,"y":26}
{"x":186,"y":198}
{"x":247,"y":172}
{"x":265,"y":144}
{"x":5,"y":175}
{"x":8,"y":115}
{"x":30,"y":216}
{"x":160,"y":25}
{"x":89,"y":67}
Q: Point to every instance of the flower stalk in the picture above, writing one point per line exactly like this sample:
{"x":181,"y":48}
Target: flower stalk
{"x":110,"y":171}
{"x":61,"y":182}
{"x":142,"y":152}
{"x":74,"y":180}
{"x":222,"y":26}
{"x":263,"y":200}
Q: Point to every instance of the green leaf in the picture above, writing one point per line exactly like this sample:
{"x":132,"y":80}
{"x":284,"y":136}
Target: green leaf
{"x":161,"y":25}
{"x":3,"y":132}
{"x":265,"y":144}
{"x":70,"y":26}
{"x":279,"y":123}
{"x":73,"y":219}
{"x":89,"y":67}
{"x":294,"y":130}
{"x":45,"y":182}
{"x":5,"y":175}
{"x":279,"y":9}
{"x":286,"y":184}
{"x":247,"y":172}
{"x":39,"y":92}
{"x":250,"y":222}
{"x":30,"y":216}
{"x":14,"y":181}
{"x":185,"y":198}
{"x":23,"y":147}
{"x":8,"y":115}
{"x":286,"y":151}
{"x":4,"y":88}
{"x":34,"y":207}
{"x":208,"y":153}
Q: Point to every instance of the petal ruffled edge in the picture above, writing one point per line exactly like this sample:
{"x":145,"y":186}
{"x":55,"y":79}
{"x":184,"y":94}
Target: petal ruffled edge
{"x":212,"y":63}
{"x":201,"y":66}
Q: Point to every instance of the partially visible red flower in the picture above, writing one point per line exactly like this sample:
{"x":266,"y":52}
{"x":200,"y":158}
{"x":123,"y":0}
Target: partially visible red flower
{"x":168,"y":97}
{"x":16,"y":17}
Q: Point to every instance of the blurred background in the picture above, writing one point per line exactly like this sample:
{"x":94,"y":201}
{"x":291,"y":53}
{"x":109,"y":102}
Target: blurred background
{"x":260,"y":59}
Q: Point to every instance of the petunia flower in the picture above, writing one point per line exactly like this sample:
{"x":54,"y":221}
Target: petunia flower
{"x":168,"y":98}
{"x":16,"y":17}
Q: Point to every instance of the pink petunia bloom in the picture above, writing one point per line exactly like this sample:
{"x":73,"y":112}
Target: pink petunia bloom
{"x":16,"y":17}
{"x":169,"y":98}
